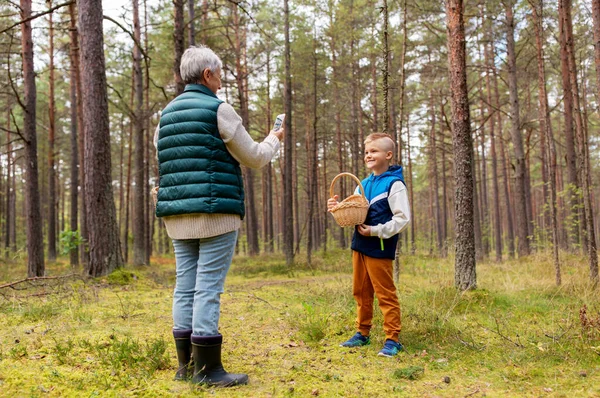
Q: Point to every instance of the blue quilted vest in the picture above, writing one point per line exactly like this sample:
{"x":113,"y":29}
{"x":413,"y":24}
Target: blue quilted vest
{"x":377,"y":189}
{"x":197,"y":173}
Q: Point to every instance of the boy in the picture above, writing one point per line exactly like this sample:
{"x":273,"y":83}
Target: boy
{"x":374,"y":244}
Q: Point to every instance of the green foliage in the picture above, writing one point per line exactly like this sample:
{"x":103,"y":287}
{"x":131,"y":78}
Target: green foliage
{"x":311,"y":324}
{"x":122,"y":277}
{"x":69,"y":241}
{"x":409,"y":373}
{"x":132,"y":355}
{"x":18,"y":351}
{"x":63,"y":351}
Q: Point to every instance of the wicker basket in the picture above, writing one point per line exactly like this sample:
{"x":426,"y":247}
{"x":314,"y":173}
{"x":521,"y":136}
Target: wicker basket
{"x":352,"y":210}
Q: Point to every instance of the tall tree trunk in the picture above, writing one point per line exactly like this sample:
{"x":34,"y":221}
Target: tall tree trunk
{"x":413,"y":221}
{"x":52,"y":197}
{"x":288,"y":215}
{"x":596,"y":18}
{"x":568,"y":111}
{"x":444,"y":195}
{"x":402,"y":89}
{"x":74,"y":100}
{"x":10,"y":213}
{"x":76,"y":60}
{"x":434,"y":175}
{"x":338,"y":124}
{"x":504,"y":168}
{"x":311,"y":155}
{"x":268,"y":175}
{"x":495,"y":187}
{"x":35,"y":241}
{"x":584,"y":172}
{"x":150,"y":160}
{"x":464,"y":274}
{"x":517,"y":138}
{"x":139,"y":203}
{"x":192,"y":23}
{"x":549,"y":214}
{"x":129,"y":175}
{"x":105,"y":250}
{"x":178,"y":36}
{"x":242,"y":89}
{"x":374,"y":92}
{"x":386,"y":72}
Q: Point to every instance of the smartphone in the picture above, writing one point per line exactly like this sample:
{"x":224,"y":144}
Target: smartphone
{"x":278,"y":122}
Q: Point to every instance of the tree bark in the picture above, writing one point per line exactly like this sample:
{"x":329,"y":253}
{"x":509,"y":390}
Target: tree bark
{"x":267,"y":174}
{"x":464,"y":275}
{"x":105,"y":250}
{"x":192,"y":23}
{"x":504,"y":168}
{"x":413,"y":221}
{"x":584,"y":173}
{"x":76,"y":62}
{"x":288,"y":215}
{"x":338,"y":123}
{"x":178,"y":36}
{"x":35,"y":241}
{"x":434,"y":176}
{"x":547,"y":133}
{"x":568,"y":111}
{"x":241,"y":77}
{"x":495,"y":187}
{"x":139,"y":202}
{"x":516,"y":135}
{"x":52,"y":197}
{"x":73,"y":73}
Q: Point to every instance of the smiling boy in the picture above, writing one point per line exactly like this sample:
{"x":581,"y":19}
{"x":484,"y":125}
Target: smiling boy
{"x":374,"y":244}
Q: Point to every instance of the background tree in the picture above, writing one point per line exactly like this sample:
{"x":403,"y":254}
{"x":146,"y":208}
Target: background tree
{"x":105,"y":249}
{"x":465,"y":277}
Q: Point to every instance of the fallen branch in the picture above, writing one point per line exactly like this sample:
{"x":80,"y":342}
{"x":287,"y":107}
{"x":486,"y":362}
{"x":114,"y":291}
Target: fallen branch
{"x":499,"y":333}
{"x":30,"y":281}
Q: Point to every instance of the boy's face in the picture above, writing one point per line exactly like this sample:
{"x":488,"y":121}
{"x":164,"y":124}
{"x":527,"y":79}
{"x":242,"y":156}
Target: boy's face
{"x":377,"y":159}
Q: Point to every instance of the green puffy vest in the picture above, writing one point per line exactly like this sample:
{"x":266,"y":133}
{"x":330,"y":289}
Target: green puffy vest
{"x":197,"y":173}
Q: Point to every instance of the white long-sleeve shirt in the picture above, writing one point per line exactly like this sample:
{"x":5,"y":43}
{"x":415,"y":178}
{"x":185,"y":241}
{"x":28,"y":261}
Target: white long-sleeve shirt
{"x":246,"y":151}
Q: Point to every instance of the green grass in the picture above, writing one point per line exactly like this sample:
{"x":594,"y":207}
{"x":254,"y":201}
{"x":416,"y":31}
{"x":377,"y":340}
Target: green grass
{"x":516,"y":335}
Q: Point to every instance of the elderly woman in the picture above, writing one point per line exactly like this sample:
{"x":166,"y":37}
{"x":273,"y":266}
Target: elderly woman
{"x":201,"y":143}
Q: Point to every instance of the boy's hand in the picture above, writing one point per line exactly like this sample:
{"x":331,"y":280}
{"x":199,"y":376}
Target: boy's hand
{"x":364,"y":230}
{"x":332,"y":202}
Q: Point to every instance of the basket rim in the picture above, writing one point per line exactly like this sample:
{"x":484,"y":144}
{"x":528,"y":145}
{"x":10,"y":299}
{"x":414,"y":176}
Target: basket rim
{"x":331,"y":186}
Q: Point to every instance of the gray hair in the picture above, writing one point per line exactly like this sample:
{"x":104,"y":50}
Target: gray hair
{"x":195,"y":60}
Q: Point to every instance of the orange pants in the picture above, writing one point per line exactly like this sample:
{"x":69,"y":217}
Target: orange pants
{"x":374,"y":276}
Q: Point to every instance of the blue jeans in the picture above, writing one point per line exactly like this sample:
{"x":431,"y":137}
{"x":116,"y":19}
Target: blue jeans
{"x":201,"y":266}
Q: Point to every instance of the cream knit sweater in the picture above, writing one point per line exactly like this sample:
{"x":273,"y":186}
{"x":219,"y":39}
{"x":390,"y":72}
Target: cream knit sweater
{"x":246,"y":151}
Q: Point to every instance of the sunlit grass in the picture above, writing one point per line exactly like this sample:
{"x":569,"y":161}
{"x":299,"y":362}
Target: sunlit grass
{"x":516,"y":335}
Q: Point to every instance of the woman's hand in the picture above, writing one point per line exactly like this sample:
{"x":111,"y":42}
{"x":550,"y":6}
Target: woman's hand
{"x":364,"y":230}
{"x":278,"y":133}
{"x":332,"y":202}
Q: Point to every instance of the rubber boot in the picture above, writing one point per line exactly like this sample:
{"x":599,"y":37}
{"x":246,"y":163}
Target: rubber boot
{"x":208,"y":369}
{"x":183,"y":345}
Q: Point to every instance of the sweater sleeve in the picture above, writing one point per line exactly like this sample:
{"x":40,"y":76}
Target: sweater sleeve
{"x":398,"y":200}
{"x":240,"y":144}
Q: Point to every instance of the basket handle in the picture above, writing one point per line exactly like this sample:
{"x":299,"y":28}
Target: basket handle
{"x":362,"y":190}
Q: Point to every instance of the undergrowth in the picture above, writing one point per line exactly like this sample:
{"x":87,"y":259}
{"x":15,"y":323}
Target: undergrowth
{"x":516,"y":335}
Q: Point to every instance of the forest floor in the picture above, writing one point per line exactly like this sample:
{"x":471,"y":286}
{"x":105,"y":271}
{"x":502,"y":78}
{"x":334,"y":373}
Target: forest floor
{"x":517,"y":335}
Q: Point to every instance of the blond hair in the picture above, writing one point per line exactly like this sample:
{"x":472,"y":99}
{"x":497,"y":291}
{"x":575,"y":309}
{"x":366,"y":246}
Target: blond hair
{"x":387,"y":141}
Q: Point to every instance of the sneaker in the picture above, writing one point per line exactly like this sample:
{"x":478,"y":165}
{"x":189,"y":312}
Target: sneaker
{"x":390,"y":348}
{"x":358,"y":340}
